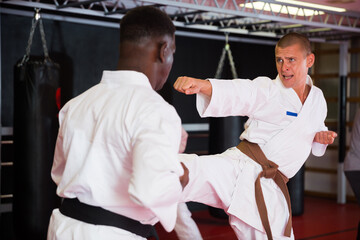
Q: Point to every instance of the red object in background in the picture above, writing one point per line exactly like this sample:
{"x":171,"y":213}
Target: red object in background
{"x":58,"y":98}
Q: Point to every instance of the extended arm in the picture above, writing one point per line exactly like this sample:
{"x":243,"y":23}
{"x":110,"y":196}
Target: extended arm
{"x":189,"y":85}
{"x":325,"y":137}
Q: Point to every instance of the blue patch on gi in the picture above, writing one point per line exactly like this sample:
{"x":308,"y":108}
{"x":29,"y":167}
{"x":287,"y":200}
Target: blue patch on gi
{"x":291,"y":114}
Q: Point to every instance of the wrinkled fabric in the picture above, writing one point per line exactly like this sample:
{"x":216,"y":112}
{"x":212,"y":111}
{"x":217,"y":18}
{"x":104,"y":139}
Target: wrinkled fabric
{"x":117,"y":148}
{"x":185,"y":227}
{"x":267,"y":102}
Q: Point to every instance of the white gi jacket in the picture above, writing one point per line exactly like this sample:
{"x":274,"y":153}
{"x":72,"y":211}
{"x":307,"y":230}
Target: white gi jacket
{"x":117,"y":148}
{"x":283,"y":127}
{"x":352,"y":160}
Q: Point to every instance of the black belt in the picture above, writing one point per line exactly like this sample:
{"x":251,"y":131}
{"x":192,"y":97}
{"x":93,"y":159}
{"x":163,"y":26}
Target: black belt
{"x":73,"y":208}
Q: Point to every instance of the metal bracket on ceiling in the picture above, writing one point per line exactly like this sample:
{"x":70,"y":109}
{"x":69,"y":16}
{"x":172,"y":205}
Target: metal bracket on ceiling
{"x":309,"y":17}
{"x":183,"y":14}
{"x":77,"y":4}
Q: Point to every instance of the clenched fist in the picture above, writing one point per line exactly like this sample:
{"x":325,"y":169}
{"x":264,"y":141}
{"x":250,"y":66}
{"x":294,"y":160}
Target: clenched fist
{"x":189,"y":85}
{"x":325,"y":137}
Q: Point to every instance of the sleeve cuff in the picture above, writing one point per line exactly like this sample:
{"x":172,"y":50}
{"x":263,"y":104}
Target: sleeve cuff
{"x":318,"y":149}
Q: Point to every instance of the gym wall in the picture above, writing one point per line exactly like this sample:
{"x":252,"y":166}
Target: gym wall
{"x":84,"y":51}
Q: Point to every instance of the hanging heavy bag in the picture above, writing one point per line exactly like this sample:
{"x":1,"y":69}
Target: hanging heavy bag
{"x":36,"y":84}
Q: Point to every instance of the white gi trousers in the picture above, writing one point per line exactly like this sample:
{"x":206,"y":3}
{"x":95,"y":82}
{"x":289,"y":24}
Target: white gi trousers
{"x":227,"y":181}
{"x":185,"y":227}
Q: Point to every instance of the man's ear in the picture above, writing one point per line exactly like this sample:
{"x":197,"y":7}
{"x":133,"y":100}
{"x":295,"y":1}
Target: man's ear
{"x":310,"y":59}
{"x":163,"y":50}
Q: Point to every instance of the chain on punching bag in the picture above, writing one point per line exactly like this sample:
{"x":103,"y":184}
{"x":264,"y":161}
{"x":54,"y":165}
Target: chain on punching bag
{"x":220,"y":67}
{"x":225,"y":131}
{"x":36,"y":85}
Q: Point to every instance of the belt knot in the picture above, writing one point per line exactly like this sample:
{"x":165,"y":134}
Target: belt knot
{"x":269,"y":170}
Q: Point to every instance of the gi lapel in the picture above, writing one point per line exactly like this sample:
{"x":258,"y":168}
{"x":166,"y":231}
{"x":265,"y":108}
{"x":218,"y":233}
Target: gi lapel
{"x":287,"y":139}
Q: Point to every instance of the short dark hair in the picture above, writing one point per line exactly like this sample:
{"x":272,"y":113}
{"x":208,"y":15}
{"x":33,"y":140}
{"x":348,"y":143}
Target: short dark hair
{"x":144,"y":22}
{"x":294,"y":38}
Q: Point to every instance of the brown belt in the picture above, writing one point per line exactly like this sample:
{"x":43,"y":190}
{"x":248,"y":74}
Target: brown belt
{"x":269,"y":170}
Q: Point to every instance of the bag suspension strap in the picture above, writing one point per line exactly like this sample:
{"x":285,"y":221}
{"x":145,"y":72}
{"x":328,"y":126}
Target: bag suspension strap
{"x":225,"y":50}
{"x":35,"y":21}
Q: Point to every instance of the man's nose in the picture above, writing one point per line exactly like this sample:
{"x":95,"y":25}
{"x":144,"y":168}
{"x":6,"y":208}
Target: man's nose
{"x":285,"y":67}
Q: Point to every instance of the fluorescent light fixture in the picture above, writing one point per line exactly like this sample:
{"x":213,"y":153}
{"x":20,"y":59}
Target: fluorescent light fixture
{"x":202,"y":27}
{"x":247,"y":32}
{"x":319,"y":30}
{"x":263,"y":34}
{"x":235,"y":30}
{"x":280,"y":8}
{"x":291,"y":26}
{"x":313,"y":5}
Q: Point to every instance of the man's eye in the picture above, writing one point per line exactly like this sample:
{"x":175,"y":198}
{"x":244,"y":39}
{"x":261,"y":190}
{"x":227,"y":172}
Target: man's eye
{"x":292,"y":59}
{"x":279,"y":60}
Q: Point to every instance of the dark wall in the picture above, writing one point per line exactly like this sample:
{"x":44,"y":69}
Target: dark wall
{"x":83,"y":51}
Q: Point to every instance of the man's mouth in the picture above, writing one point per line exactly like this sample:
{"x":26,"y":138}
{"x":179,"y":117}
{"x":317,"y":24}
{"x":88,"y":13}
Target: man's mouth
{"x":287,"y":77}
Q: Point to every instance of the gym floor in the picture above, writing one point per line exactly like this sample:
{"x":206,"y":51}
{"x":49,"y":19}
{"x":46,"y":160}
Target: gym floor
{"x":323,"y":219}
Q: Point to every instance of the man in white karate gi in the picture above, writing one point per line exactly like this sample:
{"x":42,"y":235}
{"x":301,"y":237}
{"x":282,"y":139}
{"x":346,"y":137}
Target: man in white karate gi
{"x":352,"y":161}
{"x":285,"y":123}
{"x":116,"y":160}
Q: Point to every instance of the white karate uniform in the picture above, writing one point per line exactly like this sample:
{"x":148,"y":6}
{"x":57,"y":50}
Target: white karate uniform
{"x":227,"y":180}
{"x":352,"y":160}
{"x":185,"y":227}
{"x":117,"y":148}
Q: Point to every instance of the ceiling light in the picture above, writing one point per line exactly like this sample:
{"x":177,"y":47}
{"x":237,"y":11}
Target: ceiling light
{"x":313,"y":5}
{"x":320,"y":29}
{"x":273,"y":7}
{"x":235,"y":30}
{"x":292,"y":26}
{"x":264,"y":34}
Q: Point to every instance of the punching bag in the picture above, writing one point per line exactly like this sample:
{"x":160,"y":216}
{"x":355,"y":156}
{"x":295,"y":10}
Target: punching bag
{"x":296,"y":187}
{"x":36,"y":84}
{"x":224,"y":133}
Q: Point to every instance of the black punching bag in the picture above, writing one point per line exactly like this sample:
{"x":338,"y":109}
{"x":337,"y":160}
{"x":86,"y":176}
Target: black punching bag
{"x":224,"y":133}
{"x":35,"y":130}
{"x":296,"y":192}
